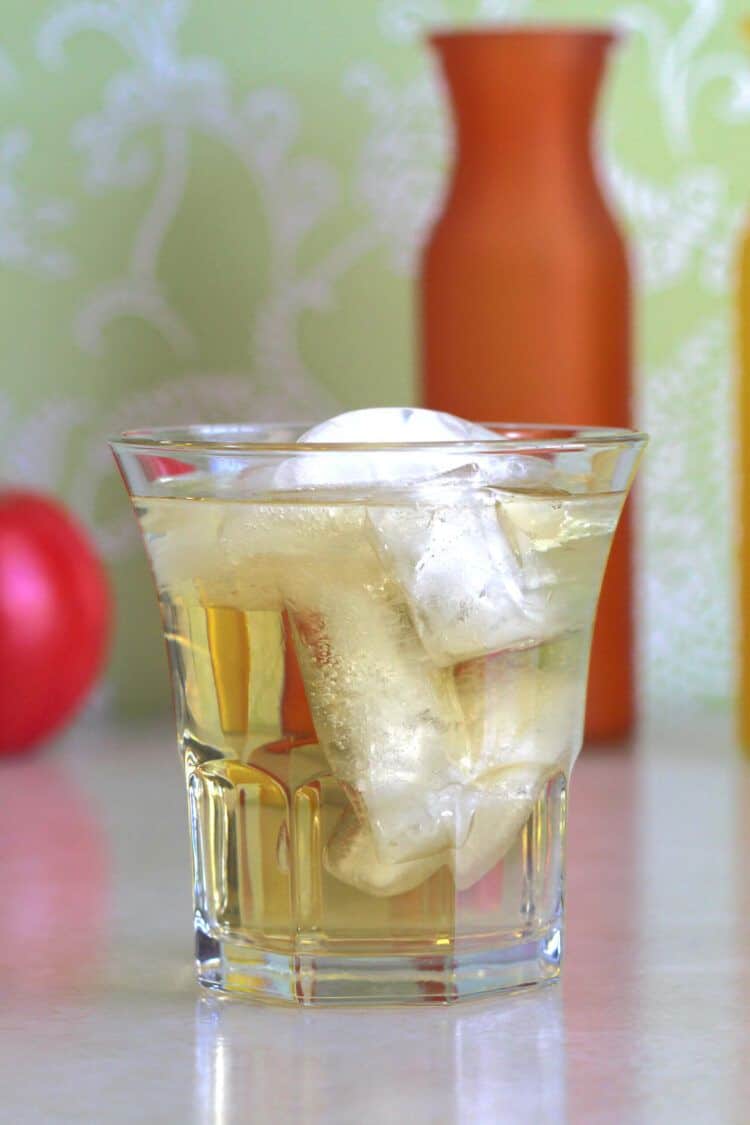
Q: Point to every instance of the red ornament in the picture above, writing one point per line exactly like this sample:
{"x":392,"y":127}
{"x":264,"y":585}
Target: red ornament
{"x":54,"y":617}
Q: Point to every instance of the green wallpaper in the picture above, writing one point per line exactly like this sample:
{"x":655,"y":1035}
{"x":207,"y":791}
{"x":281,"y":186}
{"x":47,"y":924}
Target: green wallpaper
{"x":212,"y":210}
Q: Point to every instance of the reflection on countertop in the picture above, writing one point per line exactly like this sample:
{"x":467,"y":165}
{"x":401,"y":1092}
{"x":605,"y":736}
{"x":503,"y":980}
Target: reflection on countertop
{"x":438,"y":1064}
{"x":101,"y":1020}
{"x":54,"y":879}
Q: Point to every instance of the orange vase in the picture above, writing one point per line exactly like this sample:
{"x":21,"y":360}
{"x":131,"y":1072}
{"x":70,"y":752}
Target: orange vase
{"x":525,"y":293}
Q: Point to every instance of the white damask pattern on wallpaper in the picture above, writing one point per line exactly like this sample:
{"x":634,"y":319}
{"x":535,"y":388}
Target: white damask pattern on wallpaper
{"x":162,"y":89}
{"x":686,"y":232}
{"x":685,"y":225}
{"x":137,"y":137}
{"x":27,"y":225}
{"x":682,"y":65}
{"x":686,"y":571}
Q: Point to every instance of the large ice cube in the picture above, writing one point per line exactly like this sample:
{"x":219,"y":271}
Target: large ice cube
{"x":524,"y":707}
{"x":187,"y":549}
{"x":292,"y":532}
{"x":351,"y":857}
{"x":495,"y":817}
{"x":523,"y":715}
{"x":389,"y":721}
{"x":493,"y":568}
{"x":401,"y":425}
{"x":463,"y":582}
{"x":500,"y":812}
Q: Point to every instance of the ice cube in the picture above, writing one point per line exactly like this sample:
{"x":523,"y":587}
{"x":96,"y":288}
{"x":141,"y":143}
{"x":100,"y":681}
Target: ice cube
{"x":265,"y":547}
{"x":389,"y":721}
{"x":351,"y":857}
{"x":186,"y":548}
{"x":523,"y":712}
{"x":524,"y":707}
{"x":280,"y":532}
{"x":492,"y":569}
{"x":497,"y":816}
{"x":403,"y":425}
{"x":463,"y":582}
{"x":501,"y":811}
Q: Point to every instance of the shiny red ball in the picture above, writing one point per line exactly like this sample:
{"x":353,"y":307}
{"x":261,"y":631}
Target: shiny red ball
{"x":54,"y":617}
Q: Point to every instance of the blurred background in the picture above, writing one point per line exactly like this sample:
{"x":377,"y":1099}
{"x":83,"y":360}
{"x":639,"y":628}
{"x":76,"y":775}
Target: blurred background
{"x":214,"y":212}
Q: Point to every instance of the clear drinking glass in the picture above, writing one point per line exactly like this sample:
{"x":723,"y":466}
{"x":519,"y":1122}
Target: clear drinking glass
{"x":379,"y":686}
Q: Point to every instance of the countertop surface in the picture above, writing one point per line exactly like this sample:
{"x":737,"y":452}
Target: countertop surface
{"x":101,"y":1021}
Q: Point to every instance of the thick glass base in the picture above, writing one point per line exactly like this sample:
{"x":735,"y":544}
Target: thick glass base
{"x":325,"y":979}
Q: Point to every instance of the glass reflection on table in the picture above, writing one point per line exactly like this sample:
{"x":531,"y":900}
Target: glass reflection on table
{"x":469,"y":1062}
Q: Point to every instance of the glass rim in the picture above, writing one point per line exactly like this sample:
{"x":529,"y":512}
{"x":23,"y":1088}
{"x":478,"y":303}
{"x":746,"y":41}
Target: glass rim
{"x":197,"y":438}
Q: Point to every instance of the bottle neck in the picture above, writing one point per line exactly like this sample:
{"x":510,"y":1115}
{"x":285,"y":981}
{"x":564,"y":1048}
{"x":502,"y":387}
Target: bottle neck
{"x":523,"y":107}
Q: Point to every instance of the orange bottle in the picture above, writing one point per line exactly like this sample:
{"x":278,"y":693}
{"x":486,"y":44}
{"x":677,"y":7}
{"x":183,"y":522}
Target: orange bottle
{"x":525,"y":293}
